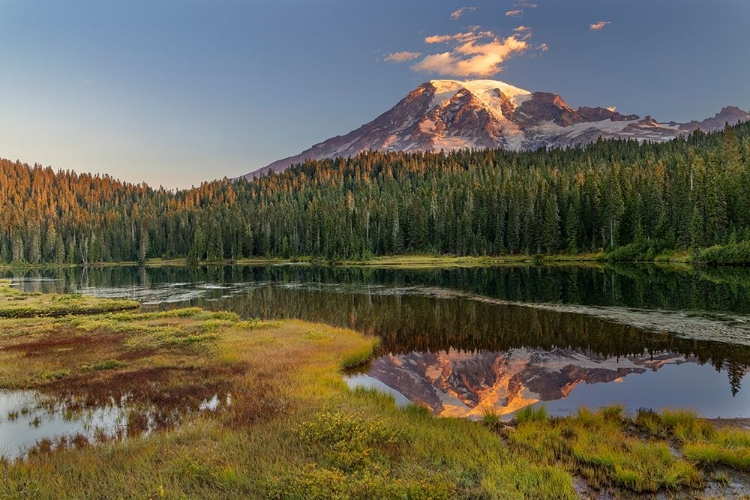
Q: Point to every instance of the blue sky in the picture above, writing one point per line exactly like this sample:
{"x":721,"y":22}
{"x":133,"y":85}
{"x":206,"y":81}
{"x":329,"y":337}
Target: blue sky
{"x":176,"y":92}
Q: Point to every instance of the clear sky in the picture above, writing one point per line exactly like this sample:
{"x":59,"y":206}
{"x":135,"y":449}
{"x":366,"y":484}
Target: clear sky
{"x":176,"y":92}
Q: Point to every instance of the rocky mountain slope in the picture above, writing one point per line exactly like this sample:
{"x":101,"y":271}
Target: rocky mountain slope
{"x":448,"y":114}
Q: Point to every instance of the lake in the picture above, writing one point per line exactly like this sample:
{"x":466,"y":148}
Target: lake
{"x":466,"y":341}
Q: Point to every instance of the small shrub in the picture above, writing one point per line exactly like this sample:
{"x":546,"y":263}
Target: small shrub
{"x":732,"y":254}
{"x":224,"y":316}
{"x":628,"y":253}
{"x":346,"y":441}
{"x":214,"y":325}
{"x":55,"y":375}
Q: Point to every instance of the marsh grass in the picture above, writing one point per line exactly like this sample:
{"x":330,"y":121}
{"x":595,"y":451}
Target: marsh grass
{"x":293,"y":429}
{"x":532,"y":414}
{"x":361,"y":356}
{"x":491,"y":418}
{"x":15,"y":304}
{"x":699,"y":440}
{"x":597,"y":446}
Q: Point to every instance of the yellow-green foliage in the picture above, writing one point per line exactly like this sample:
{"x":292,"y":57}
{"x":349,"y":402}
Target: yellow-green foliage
{"x":447,"y":261}
{"x":700,"y":441}
{"x":360,"y":357}
{"x":596,"y":445}
{"x":349,"y":455}
{"x":730,"y":447}
{"x":294,"y":430}
{"x":15,"y":304}
{"x":686,"y":426}
{"x":532,"y":414}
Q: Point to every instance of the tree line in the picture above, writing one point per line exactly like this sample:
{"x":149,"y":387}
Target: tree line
{"x":630,"y":199}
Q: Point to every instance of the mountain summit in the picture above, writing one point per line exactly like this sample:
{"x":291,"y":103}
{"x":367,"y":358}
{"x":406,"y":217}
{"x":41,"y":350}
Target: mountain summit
{"x":449,"y":114}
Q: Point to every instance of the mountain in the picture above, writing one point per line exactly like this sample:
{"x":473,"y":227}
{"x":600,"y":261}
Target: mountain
{"x":449,"y":114}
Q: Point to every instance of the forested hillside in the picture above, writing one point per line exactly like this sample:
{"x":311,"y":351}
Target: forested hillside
{"x":628,"y":199}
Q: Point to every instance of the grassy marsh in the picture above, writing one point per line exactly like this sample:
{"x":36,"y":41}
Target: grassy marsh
{"x":294,"y":429}
{"x":15,"y":304}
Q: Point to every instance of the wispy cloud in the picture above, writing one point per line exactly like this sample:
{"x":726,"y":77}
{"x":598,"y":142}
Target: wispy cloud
{"x":524,"y":32}
{"x":518,"y":8}
{"x":399,"y":57}
{"x":477,"y":54}
{"x":87,"y":82}
{"x":469,"y":36}
{"x":599,"y":25}
{"x":460,"y":12}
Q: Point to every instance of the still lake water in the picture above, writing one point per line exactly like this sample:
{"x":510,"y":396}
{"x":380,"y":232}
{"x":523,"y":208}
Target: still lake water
{"x":462,"y":341}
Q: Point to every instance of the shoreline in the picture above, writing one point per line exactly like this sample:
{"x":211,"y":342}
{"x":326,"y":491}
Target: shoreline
{"x":391,"y":261}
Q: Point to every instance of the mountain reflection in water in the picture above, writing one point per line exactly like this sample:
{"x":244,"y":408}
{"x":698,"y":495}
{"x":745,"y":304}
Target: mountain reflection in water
{"x":463,"y":384}
{"x":456,"y":341}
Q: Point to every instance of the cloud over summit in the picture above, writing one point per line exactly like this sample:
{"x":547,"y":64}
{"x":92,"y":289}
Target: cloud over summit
{"x":473,"y":54}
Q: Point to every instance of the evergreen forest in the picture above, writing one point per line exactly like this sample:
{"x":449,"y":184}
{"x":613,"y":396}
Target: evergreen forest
{"x":630,"y":200}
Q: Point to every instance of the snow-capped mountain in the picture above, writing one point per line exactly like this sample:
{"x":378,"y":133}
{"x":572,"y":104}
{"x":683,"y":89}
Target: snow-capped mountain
{"x":448,"y":114}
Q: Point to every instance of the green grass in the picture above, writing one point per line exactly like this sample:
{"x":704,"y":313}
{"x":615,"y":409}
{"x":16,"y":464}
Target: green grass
{"x":730,"y":448}
{"x":295,"y":431}
{"x":361,"y":356}
{"x":699,"y":440}
{"x":442,"y":261}
{"x":598,"y":446}
{"x":15,"y":304}
{"x":532,"y":414}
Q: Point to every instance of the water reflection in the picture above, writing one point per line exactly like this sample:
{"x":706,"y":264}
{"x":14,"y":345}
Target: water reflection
{"x":29,"y":419}
{"x":468,"y":384}
{"x":452,"y":339}
{"x":33,"y":422}
{"x":631,"y":286}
